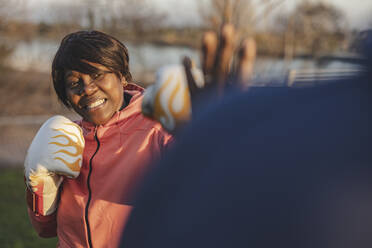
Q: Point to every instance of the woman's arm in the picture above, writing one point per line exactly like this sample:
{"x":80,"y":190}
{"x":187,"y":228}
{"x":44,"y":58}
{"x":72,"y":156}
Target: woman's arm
{"x":45,"y":226}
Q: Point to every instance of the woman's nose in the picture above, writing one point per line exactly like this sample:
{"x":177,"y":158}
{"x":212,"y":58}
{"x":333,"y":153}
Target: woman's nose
{"x":88,"y":87}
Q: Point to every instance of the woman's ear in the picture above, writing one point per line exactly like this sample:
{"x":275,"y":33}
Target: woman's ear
{"x":124,"y":82}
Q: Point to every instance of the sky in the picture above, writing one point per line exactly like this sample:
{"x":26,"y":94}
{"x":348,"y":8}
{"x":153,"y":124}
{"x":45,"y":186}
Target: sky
{"x":357,"y":12}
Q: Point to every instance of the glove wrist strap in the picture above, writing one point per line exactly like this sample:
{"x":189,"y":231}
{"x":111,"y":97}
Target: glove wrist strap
{"x":42,"y":204}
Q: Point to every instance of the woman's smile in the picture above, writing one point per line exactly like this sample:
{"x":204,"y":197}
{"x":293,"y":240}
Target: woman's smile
{"x":91,"y":106}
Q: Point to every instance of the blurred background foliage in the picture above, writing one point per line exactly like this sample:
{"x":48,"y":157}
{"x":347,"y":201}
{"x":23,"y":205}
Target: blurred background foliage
{"x":15,"y":230}
{"x":308,"y":27}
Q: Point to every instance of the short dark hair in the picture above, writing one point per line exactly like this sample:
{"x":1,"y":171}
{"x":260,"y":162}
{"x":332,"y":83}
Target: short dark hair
{"x":91,"y":46}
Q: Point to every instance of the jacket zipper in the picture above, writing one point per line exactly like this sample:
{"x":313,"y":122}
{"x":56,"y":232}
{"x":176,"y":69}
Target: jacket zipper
{"x":90,"y":191}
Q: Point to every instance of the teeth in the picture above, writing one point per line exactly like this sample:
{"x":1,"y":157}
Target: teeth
{"x":95,"y":104}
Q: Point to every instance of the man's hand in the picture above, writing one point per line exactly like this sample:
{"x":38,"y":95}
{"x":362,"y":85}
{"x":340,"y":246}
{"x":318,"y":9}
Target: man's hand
{"x":218,"y":55}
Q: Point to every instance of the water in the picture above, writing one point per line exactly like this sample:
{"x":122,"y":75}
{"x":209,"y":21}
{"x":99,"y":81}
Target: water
{"x":32,"y":55}
{"x":37,"y":54}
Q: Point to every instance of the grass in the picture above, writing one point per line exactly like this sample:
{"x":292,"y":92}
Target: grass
{"x":15,"y":228}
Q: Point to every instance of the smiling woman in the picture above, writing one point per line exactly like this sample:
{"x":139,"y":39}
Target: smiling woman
{"x":95,"y":97}
{"x":91,"y":75}
{"x":87,"y":54}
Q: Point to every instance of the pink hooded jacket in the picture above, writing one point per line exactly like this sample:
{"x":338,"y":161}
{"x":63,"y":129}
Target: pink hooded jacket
{"x":94,"y":208}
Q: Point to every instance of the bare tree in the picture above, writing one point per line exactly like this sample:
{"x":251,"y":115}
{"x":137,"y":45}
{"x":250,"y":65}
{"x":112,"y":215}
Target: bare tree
{"x":9,"y":9}
{"x":245,"y":15}
{"x":134,"y":15}
{"x":238,"y":12}
{"x":313,"y":27}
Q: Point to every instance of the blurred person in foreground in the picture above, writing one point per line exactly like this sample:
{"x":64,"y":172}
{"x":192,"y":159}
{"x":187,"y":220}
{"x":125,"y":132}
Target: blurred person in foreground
{"x":87,"y":204}
{"x":271,"y":167}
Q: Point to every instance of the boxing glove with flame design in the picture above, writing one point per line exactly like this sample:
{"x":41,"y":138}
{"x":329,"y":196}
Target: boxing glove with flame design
{"x":168,"y":99}
{"x":56,"y":150}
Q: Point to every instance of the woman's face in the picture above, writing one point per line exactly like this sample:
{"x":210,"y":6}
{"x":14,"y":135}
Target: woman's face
{"x":95,"y":97}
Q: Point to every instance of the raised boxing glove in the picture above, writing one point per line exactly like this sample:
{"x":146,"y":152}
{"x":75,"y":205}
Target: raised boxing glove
{"x":56,"y":150}
{"x":168,"y":100}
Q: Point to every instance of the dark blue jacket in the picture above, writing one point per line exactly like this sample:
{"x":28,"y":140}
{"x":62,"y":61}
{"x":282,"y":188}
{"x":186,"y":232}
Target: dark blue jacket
{"x":272,"y":167}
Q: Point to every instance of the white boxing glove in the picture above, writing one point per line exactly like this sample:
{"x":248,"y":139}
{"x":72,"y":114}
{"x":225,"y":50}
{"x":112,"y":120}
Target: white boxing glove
{"x":168,"y":99}
{"x":57,"y":149}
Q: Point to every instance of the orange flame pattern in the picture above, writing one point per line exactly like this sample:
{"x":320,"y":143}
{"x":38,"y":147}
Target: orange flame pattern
{"x":77,"y":145}
{"x":183,"y":114}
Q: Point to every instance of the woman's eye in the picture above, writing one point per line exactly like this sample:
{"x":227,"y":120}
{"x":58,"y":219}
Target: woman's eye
{"x":73,"y":85}
{"x":97,"y":75}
